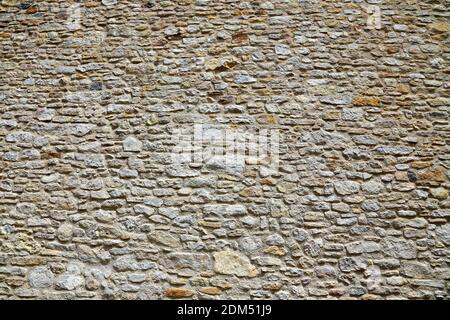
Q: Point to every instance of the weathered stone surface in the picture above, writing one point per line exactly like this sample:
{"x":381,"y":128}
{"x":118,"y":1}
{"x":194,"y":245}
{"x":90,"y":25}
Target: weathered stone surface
{"x":69,"y":281}
{"x":129,"y":263}
{"x":359,"y":247}
{"x":439,"y":193}
{"x":188,"y":260}
{"x":440,"y":26}
{"x":65,"y":232}
{"x":132,"y":144}
{"x":443,"y":233}
{"x":178,"y":293}
{"x":414,"y":269}
{"x":366,"y":101}
{"x":226,"y":210}
{"x":244,"y":79}
{"x":40,"y":277}
{"x":347,"y":187}
{"x":336,"y":100}
{"x":181,"y":171}
{"x":101,"y":198}
{"x":399,"y":248}
{"x":234,"y":263}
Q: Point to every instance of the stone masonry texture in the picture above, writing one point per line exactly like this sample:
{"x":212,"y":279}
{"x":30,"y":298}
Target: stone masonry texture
{"x":92,"y":207}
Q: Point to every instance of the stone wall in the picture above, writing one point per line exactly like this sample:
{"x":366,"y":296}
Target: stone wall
{"x":92,"y":205}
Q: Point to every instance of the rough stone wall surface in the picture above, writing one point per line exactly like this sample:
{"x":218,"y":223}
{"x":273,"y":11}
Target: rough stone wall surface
{"x":91,"y":205}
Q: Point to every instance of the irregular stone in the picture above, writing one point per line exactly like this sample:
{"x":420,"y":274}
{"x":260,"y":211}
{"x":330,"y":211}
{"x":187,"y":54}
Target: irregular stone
{"x":21,"y":137}
{"x":165,"y":238}
{"x":187,"y":260}
{"x":440,"y":26}
{"x":129,"y":263}
{"x":234,"y":263}
{"x":230,"y":163}
{"x":41,"y":277}
{"x":282,"y":50}
{"x":399,"y":248}
{"x":181,"y":171}
{"x":69,"y":281}
{"x":359,"y":247}
{"x":366,"y":101}
{"x":336,"y":100}
{"x":439,"y":193}
{"x":346,"y":187}
{"x":396,"y":151}
{"x":244,"y":79}
{"x":221,"y":64}
{"x":414,"y":269}
{"x":372,"y":187}
{"x":225,"y":210}
{"x":443,"y":233}
{"x":132,"y":144}
{"x":350,"y":264}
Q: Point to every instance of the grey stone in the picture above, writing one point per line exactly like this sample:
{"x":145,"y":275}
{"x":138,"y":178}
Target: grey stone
{"x":132,"y":144}
{"x":224,"y":209}
{"x":414,"y":269}
{"x":181,"y":171}
{"x":109,"y":2}
{"x":397,"y":151}
{"x":300,"y":234}
{"x":129,"y":263}
{"x":347,"y":187}
{"x":233,"y":164}
{"x":69,"y":281}
{"x":336,"y":100}
{"x":443,"y":233}
{"x":399,"y":248}
{"x":359,"y":247}
{"x":282,"y":50}
{"x":244,"y":78}
{"x":65,"y":232}
{"x":21,"y":137}
{"x":40,"y":277}
{"x":170,"y":213}
{"x":372,"y":187}
{"x":189,"y":260}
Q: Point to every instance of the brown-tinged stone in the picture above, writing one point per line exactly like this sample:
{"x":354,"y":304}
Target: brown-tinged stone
{"x":178,"y":293}
{"x":276,"y":250}
{"x":273,"y":286}
{"x":403,"y":88}
{"x":92,"y":205}
{"x":366,"y":101}
{"x":440,"y":26}
{"x":433,"y":175}
{"x":15,"y":281}
{"x":29,"y":261}
{"x":239,"y":37}
{"x":32,"y":10}
{"x":211,"y":290}
{"x":268,"y":181}
{"x":439,"y":193}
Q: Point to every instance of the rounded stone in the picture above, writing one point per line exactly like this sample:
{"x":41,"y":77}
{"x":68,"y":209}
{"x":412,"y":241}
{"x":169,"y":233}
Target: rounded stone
{"x":65,"y":232}
{"x":40,"y":277}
